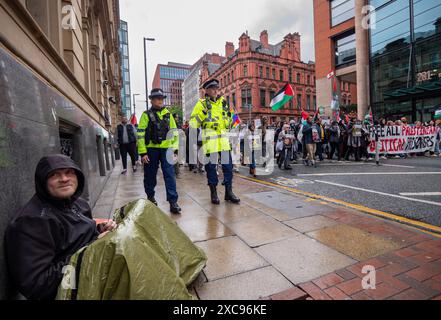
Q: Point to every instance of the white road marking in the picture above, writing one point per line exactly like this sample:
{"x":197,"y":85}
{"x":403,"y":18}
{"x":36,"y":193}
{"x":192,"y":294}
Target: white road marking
{"x":367,"y":174}
{"x":421,"y":194}
{"x":394,"y":165}
{"x":380,"y":193}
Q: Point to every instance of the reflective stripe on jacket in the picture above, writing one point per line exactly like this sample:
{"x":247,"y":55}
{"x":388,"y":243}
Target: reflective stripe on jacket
{"x":215,"y":124}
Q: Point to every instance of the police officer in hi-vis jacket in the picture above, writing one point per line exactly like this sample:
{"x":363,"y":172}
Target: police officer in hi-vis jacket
{"x":158,"y":140}
{"x":213,"y":116}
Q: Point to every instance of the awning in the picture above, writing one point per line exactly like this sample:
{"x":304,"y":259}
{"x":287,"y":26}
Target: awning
{"x":430,"y":87}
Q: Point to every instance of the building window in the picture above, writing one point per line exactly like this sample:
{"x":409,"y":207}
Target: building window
{"x":281,"y":75}
{"x":309,"y":79}
{"x":245,"y":71}
{"x":232,"y":75}
{"x":345,"y":49}
{"x":299,"y":100}
{"x":261,"y":72}
{"x":341,"y":11}
{"x":246,"y":98}
{"x":234,"y":99}
{"x":228,"y":76}
{"x":308,"y":102}
{"x":263,"y":97}
{"x":228,"y":99}
{"x":274,"y":74}
{"x":291,"y":104}
{"x":290,"y":76}
{"x":267,"y":72}
{"x":392,"y":29}
{"x":315,"y":102}
{"x":298,"y":77}
{"x":427,"y":21}
{"x":272,"y":94}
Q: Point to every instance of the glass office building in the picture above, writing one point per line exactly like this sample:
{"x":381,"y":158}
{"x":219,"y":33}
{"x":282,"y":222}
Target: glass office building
{"x":405,"y":59}
{"x":170,"y":78}
{"x":124,"y":53}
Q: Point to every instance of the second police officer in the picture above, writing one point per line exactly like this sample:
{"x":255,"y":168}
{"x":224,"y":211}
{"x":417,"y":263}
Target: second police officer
{"x":213,"y":116}
{"x":158,"y":140}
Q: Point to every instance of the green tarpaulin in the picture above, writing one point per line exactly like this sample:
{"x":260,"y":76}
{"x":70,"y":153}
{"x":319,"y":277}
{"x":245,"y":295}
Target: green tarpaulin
{"x":146,"y":258}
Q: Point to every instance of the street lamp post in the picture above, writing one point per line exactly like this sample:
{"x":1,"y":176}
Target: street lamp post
{"x":134,"y":102}
{"x":145,"y":67}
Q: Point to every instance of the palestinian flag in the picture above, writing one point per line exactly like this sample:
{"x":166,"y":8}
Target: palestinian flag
{"x":438,"y":114}
{"x":305,"y":115}
{"x":282,"y":97}
{"x":133,"y":120}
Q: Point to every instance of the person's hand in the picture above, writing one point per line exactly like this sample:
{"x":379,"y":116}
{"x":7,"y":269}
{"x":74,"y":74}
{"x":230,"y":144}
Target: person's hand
{"x":145,"y":160}
{"x":107,"y":227}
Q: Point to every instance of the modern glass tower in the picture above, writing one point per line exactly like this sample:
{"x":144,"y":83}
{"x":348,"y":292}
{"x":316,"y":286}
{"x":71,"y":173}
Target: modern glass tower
{"x":126,"y":100}
{"x":405,"y":58}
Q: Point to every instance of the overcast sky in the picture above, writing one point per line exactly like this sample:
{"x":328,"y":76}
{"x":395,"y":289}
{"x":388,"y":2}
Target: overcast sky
{"x":186,"y":29}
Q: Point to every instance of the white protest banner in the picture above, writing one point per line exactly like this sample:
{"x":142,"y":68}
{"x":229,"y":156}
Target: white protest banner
{"x":403,"y":139}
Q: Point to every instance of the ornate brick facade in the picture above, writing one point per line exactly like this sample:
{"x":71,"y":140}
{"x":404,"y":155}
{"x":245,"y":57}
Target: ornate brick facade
{"x":257,"y":70}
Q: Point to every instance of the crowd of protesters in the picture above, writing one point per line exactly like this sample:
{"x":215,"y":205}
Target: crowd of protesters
{"x":313,"y":140}
{"x":307,"y":142}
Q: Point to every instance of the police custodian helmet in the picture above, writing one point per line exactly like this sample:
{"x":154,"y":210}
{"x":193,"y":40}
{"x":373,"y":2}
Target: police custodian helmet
{"x":214,"y":83}
{"x":157,"y":93}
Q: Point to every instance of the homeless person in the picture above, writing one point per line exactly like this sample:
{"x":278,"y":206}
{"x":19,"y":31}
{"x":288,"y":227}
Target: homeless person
{"x":50,"y":228}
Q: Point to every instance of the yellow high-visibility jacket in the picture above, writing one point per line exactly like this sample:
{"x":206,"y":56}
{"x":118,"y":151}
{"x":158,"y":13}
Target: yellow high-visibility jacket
{"x":173,"y":142}
{"x":215,"y":123}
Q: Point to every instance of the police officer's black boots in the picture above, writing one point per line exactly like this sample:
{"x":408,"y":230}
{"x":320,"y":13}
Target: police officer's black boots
{"x":230,"y":196}
{"x":175,"y":209}
{"x":214,"y":198}
{"x":153,"y":200}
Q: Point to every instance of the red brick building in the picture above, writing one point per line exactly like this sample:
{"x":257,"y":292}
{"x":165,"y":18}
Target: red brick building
{"x":257,"y":70}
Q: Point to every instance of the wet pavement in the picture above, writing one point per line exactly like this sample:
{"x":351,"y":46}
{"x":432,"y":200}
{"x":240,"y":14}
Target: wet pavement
{"x":279,"y":245}
{"x":408,"y":188}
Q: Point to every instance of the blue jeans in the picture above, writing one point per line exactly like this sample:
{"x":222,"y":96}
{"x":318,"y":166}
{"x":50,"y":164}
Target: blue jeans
{"x":253,"y":160}
{"x":157,"y":156}
{"x":227,"y":168}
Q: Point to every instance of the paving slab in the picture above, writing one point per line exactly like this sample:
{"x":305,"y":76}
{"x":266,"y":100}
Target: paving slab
{"x":263,"y":230}
{"x":230,"y":215}
{"x":309,"y":224}
{"x":294,"y":207}
{"x":302,"y":259}
{"x":229,"y":256}
{"x":204,"y":228}
{"x":354,"y":242}
{"x":251,"y":285}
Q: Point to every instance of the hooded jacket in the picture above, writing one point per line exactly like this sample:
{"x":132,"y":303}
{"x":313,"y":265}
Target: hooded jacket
{"x":46,"y":232}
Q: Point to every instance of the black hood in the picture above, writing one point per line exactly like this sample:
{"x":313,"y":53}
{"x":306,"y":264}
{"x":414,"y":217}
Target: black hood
{"x":45,"y":167}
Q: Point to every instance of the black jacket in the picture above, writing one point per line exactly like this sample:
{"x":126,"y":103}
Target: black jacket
{"x":46,"y":232}
{"x":131,"y":133}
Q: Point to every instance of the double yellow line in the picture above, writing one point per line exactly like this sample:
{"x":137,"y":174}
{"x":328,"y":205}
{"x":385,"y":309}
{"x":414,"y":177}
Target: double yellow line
{"x":420,"y":226}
